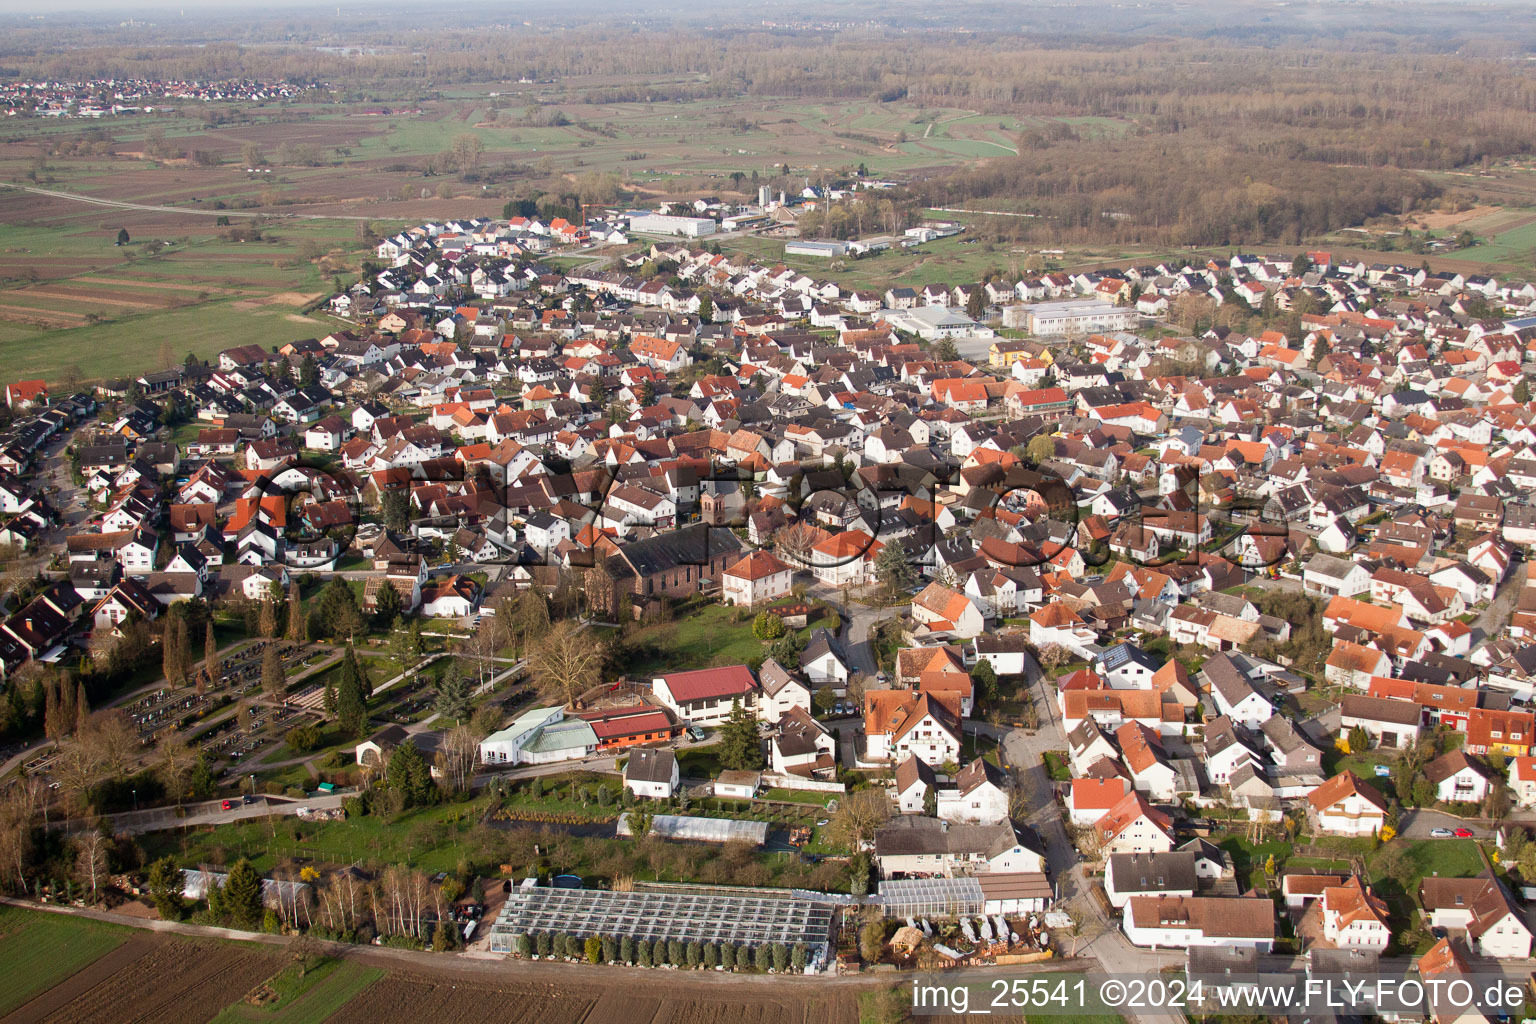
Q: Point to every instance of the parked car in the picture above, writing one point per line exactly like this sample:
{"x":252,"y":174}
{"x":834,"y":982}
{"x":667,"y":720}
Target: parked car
{"x":1440,"y":833}
{"x":228,"y":805}
{"x":248,"y":798}
{"x":1463,"y":833}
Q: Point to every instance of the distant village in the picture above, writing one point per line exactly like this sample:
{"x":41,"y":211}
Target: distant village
{"x":113,"y":97}
{"x":1114,"y":600}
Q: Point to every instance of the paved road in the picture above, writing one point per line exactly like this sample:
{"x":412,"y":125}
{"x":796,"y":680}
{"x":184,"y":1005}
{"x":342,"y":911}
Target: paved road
{"x":116,"y":204}
{"x":1496,"y":616}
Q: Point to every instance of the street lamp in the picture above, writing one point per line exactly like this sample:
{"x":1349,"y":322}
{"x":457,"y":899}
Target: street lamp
{"x":135,"y":800}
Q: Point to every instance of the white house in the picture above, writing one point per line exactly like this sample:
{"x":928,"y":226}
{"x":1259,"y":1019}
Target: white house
{"x":898,"y":723}
{"x":1494,"y":924}
{"x":1134,"y":826}
{"x":914,"y":781}
{"x":759,"y":578}
{"x":980,"y":796}
{"x":1354,"y":917}
{"x":913,"y":845}
{"x":652,"y":773}
{"x":1346,"y":805}
{"x":802,"y":746}
{"x":1184,"y":921}
{"x":1457,"y":777}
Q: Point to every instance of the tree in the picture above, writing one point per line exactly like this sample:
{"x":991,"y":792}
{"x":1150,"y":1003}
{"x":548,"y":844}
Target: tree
{"x":739,"y":745}
{"x":532,"y":618}
{"x":594,"y":950}
{"x":175,"y":766}
{"x":122,"y":236}
{"x":975,"y":304}
{"x":859,"y":815}
{"x":267,"y":619}
{"x":768,"y":627}
{"x":409,"y":775}
{"x":566,"y":662}
{"x":466,"y":151}
{"x":1496,"y":803}
{"x":351,"y":710}
{"x":386,"y":605}
{"x":1359,"y":740}
{"x":985,"y":678}
{"x":639,"y":821}
{"x":872,"y":941}
{"x":395,"y":509}
{"x":706,"y":308}
{"x":452,"y":694}
{"x":1041,"y":448}
{"x":301,"y":739}
{"x":240,"y":895}
{"x":1394,"y":864}
{"x":786,"y":649}
{"x":945,"y":351}
{"x":91,"y":864}
{"x":296,"y":617}
{"x":165,"y":887}
{"x":274,"y":678}
{"x":212,"y":670}
{"x":894,"y":570}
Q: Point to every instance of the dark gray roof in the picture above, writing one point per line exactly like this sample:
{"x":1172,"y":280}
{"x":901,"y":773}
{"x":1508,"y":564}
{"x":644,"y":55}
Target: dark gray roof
{"x":1144,"y":873}
{"x":650,"y":766}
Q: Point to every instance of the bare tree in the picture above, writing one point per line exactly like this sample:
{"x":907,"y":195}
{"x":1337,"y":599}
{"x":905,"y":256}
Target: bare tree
{"x":567,"y":661}
{"x":91,"y":859}
{"x":456,"y":757}
{"x":19,"y":804}
{"x":859,"y":815}
{"x":174,"y":765}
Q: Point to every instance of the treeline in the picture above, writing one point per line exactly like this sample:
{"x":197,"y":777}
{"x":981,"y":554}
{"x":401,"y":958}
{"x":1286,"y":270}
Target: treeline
{"x":1320,"y":102}
{"x":1149,"y":190}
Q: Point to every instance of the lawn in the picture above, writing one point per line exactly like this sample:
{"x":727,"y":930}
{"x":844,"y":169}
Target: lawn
{"x":305,"y":999}
{"x":1450,"y":858}
{"x":431,"y":838}
{"x":1056,"y":766}
{"x":40,"y":950}
{"x":702,"y":637}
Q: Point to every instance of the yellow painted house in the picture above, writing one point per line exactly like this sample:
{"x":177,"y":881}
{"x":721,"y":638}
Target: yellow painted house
{"x":1007,"y":351}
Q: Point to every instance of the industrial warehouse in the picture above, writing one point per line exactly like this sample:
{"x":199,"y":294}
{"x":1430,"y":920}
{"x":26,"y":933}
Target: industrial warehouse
{"x":687,"y":913}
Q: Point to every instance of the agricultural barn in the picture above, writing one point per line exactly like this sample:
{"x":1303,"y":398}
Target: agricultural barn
{"x":654,"y":910}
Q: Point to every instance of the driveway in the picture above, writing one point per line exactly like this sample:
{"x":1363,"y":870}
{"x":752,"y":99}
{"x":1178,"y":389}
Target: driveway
{"x":1417,"y":823}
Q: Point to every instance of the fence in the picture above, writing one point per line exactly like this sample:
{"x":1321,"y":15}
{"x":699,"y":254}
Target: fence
{"x":775,"y":780}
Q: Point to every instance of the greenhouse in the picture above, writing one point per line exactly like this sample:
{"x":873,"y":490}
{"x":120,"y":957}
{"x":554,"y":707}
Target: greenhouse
{"x":931,"y":897}
{"x":709,"y":914}
{"x":703,"y":830}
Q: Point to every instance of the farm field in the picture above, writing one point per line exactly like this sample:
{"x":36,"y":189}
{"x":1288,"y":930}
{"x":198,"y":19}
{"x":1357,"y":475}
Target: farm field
{"x":175,"y":979}
{"x":73,"y":303}
{"x":309,"y":998}
{"x":41,"y":950}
